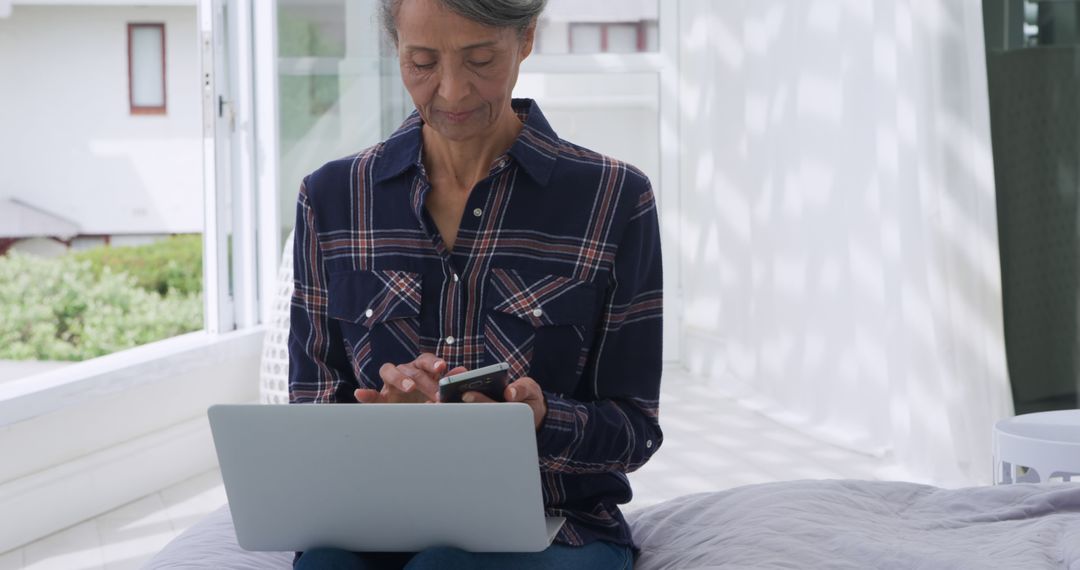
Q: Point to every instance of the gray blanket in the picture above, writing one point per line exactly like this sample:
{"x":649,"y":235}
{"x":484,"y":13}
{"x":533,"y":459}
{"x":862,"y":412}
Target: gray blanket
{"x":864,"y":524}
{"x":796,"y":524}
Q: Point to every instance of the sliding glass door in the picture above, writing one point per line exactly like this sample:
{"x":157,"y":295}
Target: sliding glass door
{"x":338,"y":88}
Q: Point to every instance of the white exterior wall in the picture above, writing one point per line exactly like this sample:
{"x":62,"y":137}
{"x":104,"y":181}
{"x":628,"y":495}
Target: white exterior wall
{"x":68,"y":143}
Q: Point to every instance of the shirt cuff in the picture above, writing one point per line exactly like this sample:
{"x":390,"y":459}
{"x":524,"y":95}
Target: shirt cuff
{"x":560,"y":427}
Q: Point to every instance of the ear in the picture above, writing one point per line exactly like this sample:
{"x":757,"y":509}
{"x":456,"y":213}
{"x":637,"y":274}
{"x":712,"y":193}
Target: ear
{"x":527,"y":41}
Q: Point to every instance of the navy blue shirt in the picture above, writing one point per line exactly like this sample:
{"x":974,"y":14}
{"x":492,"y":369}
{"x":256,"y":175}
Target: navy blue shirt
{"x":556,"y":270}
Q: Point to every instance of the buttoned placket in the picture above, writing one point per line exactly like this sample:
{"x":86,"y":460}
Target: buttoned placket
{"x":451,"y":345}
{"x":451,"y":341}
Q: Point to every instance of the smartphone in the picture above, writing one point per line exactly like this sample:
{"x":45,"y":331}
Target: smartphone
{"x":490,"y":381}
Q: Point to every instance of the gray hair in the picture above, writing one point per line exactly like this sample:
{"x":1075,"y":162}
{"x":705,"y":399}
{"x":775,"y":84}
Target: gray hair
{"x":516,"y":14}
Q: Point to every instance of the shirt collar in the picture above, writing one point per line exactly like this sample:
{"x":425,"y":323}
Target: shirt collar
{"x":536,"y":148}
{"x":402,"y":150}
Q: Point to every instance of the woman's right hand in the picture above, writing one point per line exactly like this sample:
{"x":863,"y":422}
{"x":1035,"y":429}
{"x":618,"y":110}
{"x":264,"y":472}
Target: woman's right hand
{"x":413,"y":383}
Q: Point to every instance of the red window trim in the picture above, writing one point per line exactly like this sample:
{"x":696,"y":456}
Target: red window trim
{"x":144,"y":109}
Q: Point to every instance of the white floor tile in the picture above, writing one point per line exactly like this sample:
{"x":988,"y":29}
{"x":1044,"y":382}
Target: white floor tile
{"x":132,"y":534}
{"x":189,"y":501}
{"x":712,"y":443}
{"x":76,"y":548}
{"x":133,"y":552}
{"x":12,"y":560}
{"x":147,"y":513}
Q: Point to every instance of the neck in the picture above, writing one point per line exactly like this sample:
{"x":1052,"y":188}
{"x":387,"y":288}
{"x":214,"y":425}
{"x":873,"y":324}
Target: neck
{"x":466,"y":162}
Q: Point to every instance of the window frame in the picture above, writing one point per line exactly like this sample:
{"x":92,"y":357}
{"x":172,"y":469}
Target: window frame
{"x":239,"y":274}
{"x":135,"y":109}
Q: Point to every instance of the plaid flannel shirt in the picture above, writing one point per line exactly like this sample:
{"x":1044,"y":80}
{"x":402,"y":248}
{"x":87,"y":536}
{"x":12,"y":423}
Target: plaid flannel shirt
{"x":556,"y":270}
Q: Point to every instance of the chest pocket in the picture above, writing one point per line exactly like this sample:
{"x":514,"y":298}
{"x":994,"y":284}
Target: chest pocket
{"x":379,"y":315}
{"x":542,"y":325}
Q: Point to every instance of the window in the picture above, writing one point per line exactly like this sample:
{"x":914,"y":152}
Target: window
{"x":103,"y":254}
{"x":332,"y":70}
{"x":146,"y":68}
{"x":622,"y":37}
{"x":599,"y":26}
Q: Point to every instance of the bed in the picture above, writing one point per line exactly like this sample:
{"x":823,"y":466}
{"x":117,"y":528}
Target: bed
{"x":795,"y":524}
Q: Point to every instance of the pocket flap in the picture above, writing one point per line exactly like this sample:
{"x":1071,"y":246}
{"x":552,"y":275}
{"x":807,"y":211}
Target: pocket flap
{"x":371,"y":297}
{"x":542,"y":300}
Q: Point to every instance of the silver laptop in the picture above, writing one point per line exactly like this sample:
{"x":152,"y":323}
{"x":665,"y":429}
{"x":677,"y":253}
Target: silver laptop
{"x":383,"y":478}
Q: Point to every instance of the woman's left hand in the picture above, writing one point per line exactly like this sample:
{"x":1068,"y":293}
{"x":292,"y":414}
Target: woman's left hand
{"x":524,"y":390}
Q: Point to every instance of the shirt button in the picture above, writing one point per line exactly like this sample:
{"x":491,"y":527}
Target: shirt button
{"x":455,"y":277}
{"x":648,"y":444}
{"x":368,"y":313}
{"x":478,"y":212}
{"x":538,"y":313}
{"x":449,"y":340}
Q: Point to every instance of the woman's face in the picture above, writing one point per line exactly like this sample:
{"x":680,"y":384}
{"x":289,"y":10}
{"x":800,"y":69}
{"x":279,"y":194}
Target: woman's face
{"x":459,"y":73}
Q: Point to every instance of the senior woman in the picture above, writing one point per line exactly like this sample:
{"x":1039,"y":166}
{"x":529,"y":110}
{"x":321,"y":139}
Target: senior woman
{"x":475,"y":235}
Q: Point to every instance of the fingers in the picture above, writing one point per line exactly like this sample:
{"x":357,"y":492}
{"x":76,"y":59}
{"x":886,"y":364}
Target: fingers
{"x":522,"y":390}
{"x":393,"y":377}
{"x":431,"y":364}
{"x":396,"y":383}
{"x":419,"y":380}
{"x":476,"y":398}
{"x":406,"y":378}
{"x":389,"y":395}
{"x":414,"y":381}
{"x":527,"y":391}
{"x":397,"y":397}
{"x":366,"y":395}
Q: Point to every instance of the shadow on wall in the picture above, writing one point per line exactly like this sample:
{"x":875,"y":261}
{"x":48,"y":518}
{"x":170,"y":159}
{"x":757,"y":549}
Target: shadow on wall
{"x":838,"y":223}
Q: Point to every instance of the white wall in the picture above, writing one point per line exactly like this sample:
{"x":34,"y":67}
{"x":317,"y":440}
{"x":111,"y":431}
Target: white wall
{"x":89,"y":437}
{"x":838,"y":223}
{"x":67,"y":141}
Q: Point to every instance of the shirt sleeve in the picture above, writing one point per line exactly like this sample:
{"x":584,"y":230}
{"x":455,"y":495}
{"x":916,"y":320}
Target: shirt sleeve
{"x":318,"y":365}
{"x":620,"y":430}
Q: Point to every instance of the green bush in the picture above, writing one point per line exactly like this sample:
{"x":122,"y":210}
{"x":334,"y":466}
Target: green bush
{"x":69,"y":309}
{"x":174,"y":263}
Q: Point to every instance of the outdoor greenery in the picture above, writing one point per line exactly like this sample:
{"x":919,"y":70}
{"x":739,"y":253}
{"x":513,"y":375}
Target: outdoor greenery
{"x":171,"y":264}
{"x":99,"y":301}
{"x":306,"y":98}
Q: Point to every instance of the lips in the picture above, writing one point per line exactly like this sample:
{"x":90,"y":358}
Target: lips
{"x":457,"y":117}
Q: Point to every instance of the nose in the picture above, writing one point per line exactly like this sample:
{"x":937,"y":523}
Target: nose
{"x":454,"y":85}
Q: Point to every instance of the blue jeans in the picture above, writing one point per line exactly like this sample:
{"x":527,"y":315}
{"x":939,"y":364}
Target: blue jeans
{"x":598,"y":555}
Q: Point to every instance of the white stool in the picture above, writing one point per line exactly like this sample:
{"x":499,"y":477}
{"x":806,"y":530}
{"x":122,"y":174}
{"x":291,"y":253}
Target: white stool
{"x":1046,"y":443}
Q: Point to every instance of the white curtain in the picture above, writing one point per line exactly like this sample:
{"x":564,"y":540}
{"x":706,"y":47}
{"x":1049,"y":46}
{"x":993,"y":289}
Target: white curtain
{"x":837,"y":223}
